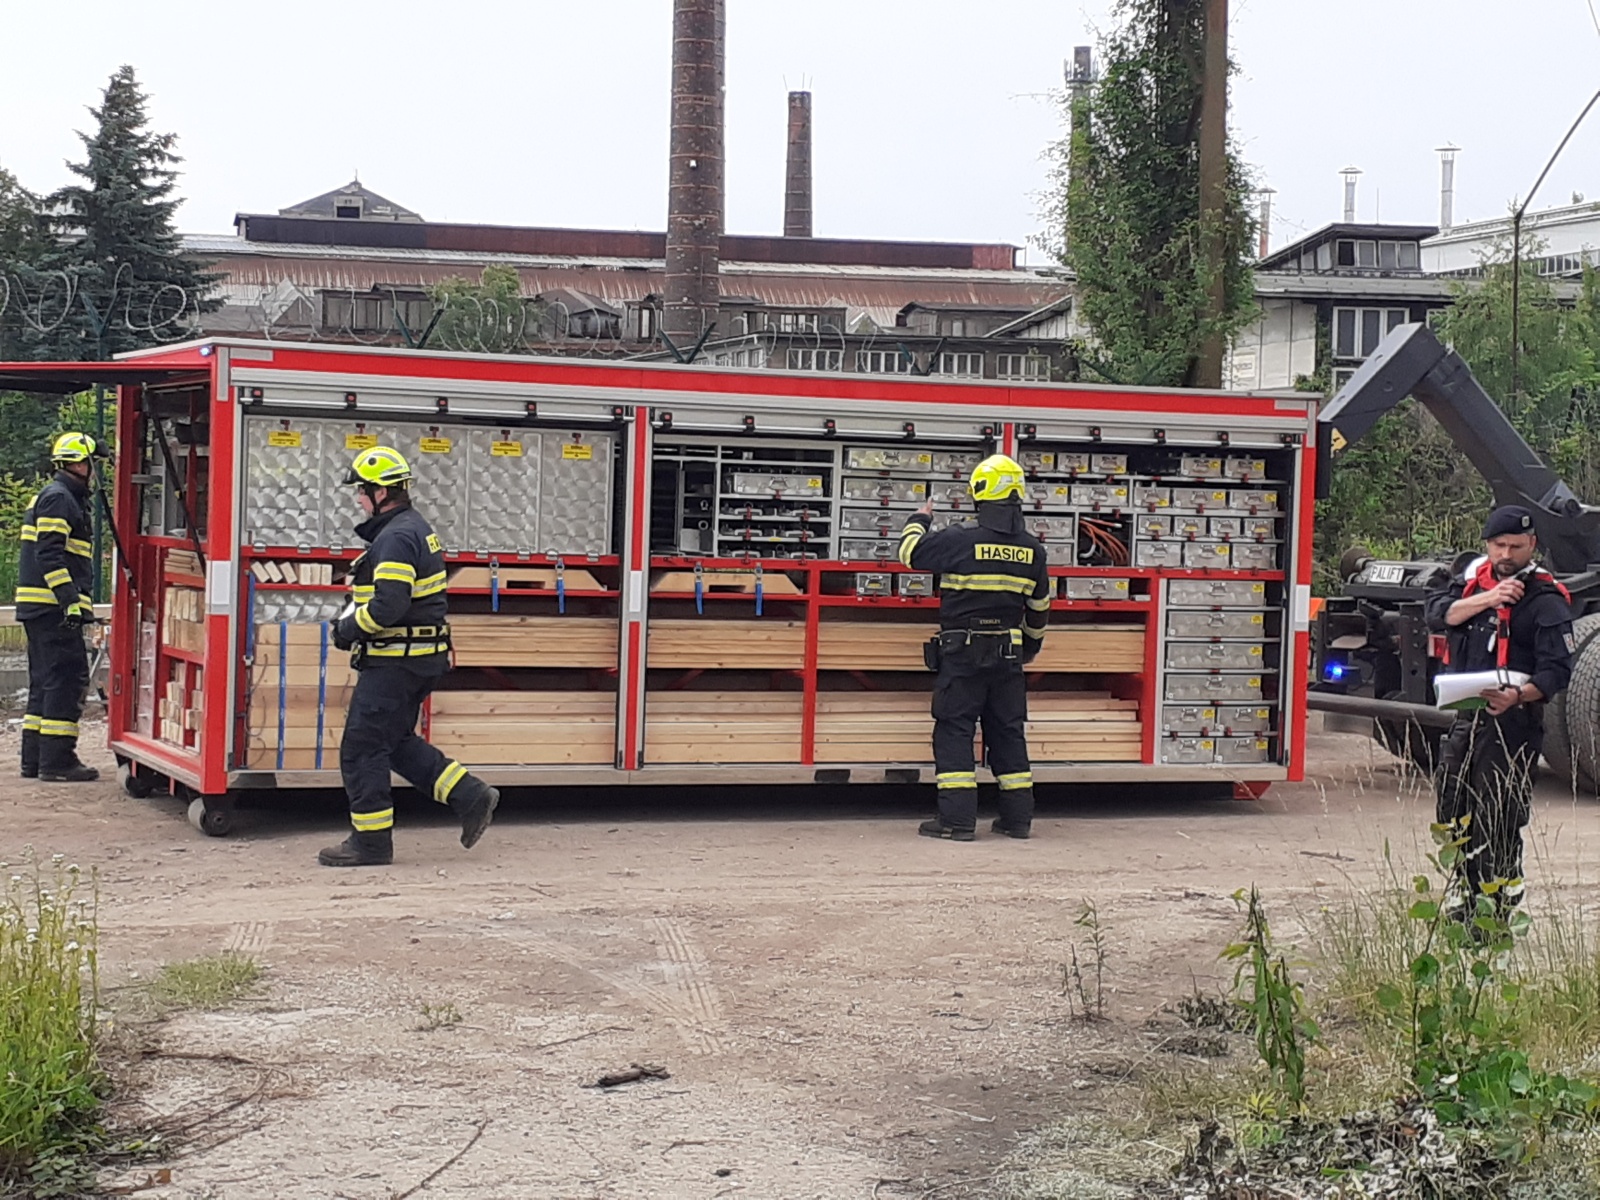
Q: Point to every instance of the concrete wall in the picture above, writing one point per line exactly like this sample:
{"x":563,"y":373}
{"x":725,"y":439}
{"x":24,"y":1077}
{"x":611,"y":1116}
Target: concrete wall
{"x":1277,"y":348}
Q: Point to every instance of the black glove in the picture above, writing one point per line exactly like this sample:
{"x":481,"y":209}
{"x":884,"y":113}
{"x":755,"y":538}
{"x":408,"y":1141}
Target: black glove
{"x":344,"y":632}
{"x":1030,"y":649}
{"x":74,"y":619}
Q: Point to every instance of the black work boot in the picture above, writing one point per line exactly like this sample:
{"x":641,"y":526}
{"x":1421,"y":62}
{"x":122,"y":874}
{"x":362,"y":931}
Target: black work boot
{"x":30,"y":754}
{"x":68,"y":770}
{"x":938,"y":829}
{"x":1014,"y":831}
{"x":1016,"y":813}
{"x":360,"y":850}
{"x":474,"y":802}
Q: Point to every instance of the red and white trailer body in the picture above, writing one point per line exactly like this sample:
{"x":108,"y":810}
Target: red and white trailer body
{"x":670,"y":574}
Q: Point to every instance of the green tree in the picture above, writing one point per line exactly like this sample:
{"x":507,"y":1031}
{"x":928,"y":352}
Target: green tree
{"x":115,"y":239}
{"x":1123,"y":208}
{"x":21,"y":247}
{"x":489,"y":317}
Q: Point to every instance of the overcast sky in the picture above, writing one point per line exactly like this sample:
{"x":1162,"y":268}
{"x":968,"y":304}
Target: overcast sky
{"x":929,"y":118}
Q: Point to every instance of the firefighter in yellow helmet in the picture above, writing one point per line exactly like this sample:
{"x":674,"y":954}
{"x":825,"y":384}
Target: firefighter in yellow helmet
{"x":55,"y":577}
{"x":395,"y":628}
{"x":994,"y":603}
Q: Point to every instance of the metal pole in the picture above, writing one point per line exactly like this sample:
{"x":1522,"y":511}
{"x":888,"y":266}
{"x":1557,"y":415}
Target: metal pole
{"x":1213,"y":188}
{"x":1516,"y":250}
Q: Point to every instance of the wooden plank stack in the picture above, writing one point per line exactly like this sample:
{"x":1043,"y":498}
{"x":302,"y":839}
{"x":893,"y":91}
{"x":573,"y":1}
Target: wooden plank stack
{"x":314,"y":689}
{"x":722,"y":727}
{"x":714,"y":644}
{"x":306,"y":573}
{"x":1098,"y":648}
{"x":178,"y":708}
{"x":869,"y":727}
{"x":184,"y":562}
{"x":502,"y":640}
{"x":183,"y":619}
{"x":511,"y":728}
{"x":512,"y":577}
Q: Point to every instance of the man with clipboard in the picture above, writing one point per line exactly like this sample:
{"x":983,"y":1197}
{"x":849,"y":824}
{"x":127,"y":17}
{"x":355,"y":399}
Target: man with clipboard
{"x":1510,"y":620}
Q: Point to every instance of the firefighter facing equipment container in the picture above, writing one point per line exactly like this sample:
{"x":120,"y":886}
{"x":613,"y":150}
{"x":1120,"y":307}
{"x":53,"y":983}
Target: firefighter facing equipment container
{"x":55,"y":577}
{"x":1502,"y":614}
{"x":994,"y":604}
{"x":395,"y":627}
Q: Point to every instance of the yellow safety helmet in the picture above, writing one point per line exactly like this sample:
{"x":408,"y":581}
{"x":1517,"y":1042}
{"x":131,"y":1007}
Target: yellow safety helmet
{"x":73,"y":448}
{"x":997,"y":477}
{"x":381,"y":466}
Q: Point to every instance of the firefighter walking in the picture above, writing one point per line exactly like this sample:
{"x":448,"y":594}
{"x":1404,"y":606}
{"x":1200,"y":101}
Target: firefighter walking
{"x":994,"y":605}
{"x":55,"y":579}
{"x":395,"y":628}
{"x":1502,"y":614}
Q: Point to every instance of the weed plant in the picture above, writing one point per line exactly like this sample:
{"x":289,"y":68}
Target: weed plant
{"x":212,"y":982}
{"x":51,"y":1085}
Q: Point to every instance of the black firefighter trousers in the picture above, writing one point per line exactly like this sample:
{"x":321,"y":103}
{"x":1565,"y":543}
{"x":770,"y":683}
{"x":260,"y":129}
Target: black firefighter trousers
{"x":380,"y":736}
{"x":1485,"y":783}
{"x":58,"y":676}
{"x":968,"y":692}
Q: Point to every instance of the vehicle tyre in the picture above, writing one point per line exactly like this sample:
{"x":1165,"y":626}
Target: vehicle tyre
{"x":137,"y":786}
{"x":1560,"y":738}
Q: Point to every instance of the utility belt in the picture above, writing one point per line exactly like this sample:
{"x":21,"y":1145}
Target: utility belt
{"x":972,"y":649}
{"x":403,"y":641}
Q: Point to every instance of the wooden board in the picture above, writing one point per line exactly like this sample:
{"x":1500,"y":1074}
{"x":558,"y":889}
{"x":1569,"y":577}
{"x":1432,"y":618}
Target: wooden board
{"x":710,"y":643}
{"x":736,"y":582}
{"x":502,"y":640}
{"x":523,"y":578}
{"x":496,"y":728}
{"x":722,"y":727}
{"x":897,"y":646}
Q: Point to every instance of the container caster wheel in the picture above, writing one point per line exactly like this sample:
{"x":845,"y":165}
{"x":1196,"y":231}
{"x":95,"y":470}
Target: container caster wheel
{"x":137,"y":786}
{"x":211,"y":815}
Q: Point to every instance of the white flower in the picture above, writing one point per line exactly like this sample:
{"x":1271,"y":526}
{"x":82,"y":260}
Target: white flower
{"x":71,"y":946}
{"x":56,"y":858}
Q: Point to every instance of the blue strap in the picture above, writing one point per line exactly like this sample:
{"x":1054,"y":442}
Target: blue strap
{"x":494,"y":587}
{"x":283,"y":684}
{"x":322,"y":692}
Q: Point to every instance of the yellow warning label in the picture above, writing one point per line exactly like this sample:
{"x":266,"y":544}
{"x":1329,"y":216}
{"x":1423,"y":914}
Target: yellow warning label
{"x":1255,"y":651}
{"x":284,"y":437}
{"x":919,"y":489}
{"x":1253,"y":682}
{"x":1257,"y":589}
{"x":577,"y":450}
{"x":1205,"y":745}
{"x":813,"y":483}
{"x":360,"y":441}
{"x":434,"y":445}
{"x":1338,"y":441}
{"x":924,"y":459}
{"x":505,"y":449}
{"x":1255,"y":618}
{"x":1261,"y":744}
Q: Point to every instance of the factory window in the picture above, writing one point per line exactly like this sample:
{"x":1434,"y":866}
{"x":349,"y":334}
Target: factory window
{"x":1341,"y":376}
{"x":1357,"y":331}
{"x":796,"y":322}
{"x":374,"y":314}
{"x":962,"y":366}
{"x":645,"y":322}
{"x":1034,"y":367}
{"x":883,"y":362}
{"x":815,"y":360}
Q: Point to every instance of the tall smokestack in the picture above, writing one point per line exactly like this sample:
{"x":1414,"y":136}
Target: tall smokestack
{"x":797,"y":178}
{"x":1447,"y":185}
{"x":694,"y":196}
{"x":1350,"y":175}
{"x":1266,"y":219}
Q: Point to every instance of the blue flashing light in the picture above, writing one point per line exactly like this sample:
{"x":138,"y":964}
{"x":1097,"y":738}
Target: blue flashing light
{"x":1333,"y":672}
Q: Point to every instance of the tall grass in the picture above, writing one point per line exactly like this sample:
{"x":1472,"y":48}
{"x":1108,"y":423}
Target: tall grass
{"x":50,"y":1082}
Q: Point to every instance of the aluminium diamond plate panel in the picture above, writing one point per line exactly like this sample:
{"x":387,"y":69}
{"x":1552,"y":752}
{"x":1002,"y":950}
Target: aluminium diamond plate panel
{"x":503,"y":504}
{"x":283,"y":481}
{"x":443,"y":482}
{"x":575,"y":493}
{"x":341,"y":442}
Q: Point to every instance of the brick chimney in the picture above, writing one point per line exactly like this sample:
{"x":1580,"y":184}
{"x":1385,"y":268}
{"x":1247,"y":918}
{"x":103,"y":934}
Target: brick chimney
{"x":695,"y":188}
{"x":797,"y":178}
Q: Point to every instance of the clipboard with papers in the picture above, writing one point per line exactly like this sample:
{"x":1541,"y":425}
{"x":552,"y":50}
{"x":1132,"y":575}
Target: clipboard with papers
{"x":1460,"y":693}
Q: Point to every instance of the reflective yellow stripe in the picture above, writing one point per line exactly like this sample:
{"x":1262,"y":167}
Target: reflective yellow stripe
{"x":31,"y":722}
{"x":50,"y":728}
{"x":1035,"y":634}
{"x":410,"y":650}
{"x":986,"y":583}
{"x":1015,"y":781}
{"x":365,"y":622}
{"x":80,"y":547}
{"x":1039,"y":605}
{"x":58,"y":578}
{"x":956,"y":779}
{"x":53,"y":525}
{"x":362,"y":593}
{"x":34,"y":595}
{"x":429,"y":586}
{"x":372,"y":822}
{"x":398,"y":571}
{"x":448,"y":778}
{"x":908,"y":544}
{"x":30,"y":534}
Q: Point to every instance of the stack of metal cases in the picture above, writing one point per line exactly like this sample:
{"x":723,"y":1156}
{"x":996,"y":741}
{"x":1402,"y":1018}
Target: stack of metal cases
{"x":879,"y":487}
{"x":1066,"y":485}
{"x":507,"y":490}
{"x":1208,"y":526}
{"x":774,"y":509}
{"x":1218,"y":651}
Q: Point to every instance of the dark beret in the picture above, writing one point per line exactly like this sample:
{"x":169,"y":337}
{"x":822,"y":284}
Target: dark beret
{"x":1512,"y":518}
